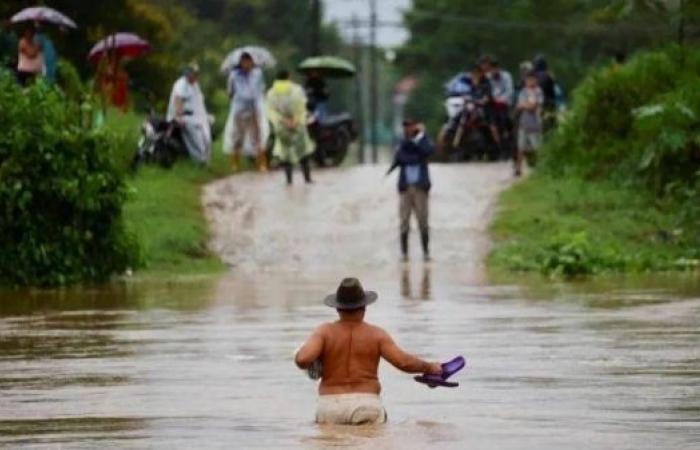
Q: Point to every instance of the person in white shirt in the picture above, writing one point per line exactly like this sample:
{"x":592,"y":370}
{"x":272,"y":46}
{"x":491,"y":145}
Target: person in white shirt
{"x":187,"y":107}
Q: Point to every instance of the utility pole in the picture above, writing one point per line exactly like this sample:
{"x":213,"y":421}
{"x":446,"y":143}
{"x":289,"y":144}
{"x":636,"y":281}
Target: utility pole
{"x":681,"y":30}
{"x":374,"y":81}
{"x":359,"y":104}
{"x":315,"y":44}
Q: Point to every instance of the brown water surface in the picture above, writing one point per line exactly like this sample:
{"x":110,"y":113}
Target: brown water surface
{"x":206,"y":363}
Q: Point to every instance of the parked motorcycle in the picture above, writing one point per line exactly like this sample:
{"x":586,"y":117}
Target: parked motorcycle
{"x":332,"y":136}
{"x":160,"y":143}
{"x":467,"y":136}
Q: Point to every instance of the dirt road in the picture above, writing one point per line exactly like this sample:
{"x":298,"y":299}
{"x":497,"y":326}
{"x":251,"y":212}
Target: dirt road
{"x":348,"y":217}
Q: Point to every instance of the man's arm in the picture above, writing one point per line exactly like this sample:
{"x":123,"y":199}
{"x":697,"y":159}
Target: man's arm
{"x":311,"y":350}
{"x":425,"y":145}
{"x":402,"y":360}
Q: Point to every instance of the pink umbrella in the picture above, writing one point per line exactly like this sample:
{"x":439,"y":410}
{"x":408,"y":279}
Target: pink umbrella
{"x":122,"y":45}
{"x":43,"y":14}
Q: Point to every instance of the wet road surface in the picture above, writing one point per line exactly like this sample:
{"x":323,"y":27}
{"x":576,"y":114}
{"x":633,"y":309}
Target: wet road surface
{"x":206,"y":363}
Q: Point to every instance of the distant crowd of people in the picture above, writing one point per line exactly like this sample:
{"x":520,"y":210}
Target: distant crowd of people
{"x":516,"y":113}
{"x":253,"y":110}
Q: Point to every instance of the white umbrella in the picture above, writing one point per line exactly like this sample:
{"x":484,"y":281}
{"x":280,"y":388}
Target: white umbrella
{"x":43,"y":14}
{"x":261,"y":56}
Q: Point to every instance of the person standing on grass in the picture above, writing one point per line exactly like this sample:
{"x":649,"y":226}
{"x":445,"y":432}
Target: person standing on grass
{"x":529,"y":108}
{"x":30,"y":60}
{"x":414,"y":183}
{"x":246,"y":87}
{"x":286,"y":108}
{"x":347,"y":354}
{"x":187,"y":107}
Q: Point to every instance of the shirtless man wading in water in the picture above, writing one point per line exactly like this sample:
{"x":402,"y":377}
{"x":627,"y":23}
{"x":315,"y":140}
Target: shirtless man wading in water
{"x":349,"y":351}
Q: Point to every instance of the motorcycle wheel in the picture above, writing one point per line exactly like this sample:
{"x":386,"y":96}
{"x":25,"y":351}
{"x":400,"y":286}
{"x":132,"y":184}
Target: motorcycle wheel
{"x":342,"y":144}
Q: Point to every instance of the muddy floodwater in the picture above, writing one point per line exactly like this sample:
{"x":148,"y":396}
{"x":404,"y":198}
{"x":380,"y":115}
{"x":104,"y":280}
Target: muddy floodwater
{"x":206,"y":362}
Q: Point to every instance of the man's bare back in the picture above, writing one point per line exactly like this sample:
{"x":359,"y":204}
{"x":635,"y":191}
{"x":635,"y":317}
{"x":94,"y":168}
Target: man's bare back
{"x":349,"y":350}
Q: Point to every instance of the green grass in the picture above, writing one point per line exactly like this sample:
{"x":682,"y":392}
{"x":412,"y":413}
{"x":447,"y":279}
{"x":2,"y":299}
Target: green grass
{"x":555,"y":225}
{"x":164,"y":209}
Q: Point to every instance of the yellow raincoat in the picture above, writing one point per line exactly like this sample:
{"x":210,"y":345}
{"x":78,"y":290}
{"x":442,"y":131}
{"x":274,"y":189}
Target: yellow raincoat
{"x":287,"y":100}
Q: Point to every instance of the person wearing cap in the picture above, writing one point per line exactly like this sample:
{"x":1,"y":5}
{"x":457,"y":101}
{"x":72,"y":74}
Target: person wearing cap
{"x":188,"y":109}
{"x":347,"y":352}
{"x":411,"y":158}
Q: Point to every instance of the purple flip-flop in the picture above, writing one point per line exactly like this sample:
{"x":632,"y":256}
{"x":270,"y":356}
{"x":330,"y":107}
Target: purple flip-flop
{"x":448,"y":369}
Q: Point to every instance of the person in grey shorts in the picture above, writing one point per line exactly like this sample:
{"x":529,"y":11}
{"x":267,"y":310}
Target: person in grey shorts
{"x":411,"y":158}
{"x":529,"y":109}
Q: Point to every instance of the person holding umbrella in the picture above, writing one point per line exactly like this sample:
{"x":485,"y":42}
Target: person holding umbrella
{"x":246,"y":87}
{"x":109,"y":55}
{"x":36,"y":51}
{"x":30,"y":60}
{"x":286,"y":106}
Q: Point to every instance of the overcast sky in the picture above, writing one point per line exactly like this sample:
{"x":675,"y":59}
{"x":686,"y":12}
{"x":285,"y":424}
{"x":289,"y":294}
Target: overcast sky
{"x":386,"y":10}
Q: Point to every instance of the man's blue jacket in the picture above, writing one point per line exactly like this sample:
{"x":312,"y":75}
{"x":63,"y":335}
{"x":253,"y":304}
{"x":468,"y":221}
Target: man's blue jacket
{"x":413,"y":152}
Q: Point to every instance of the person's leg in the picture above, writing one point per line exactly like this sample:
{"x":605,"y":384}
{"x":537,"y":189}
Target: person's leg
{"x":306,"y":169}
{"x":422,"y":214}
{"x":256,"y":134}
{"x":289,"y":172}
{"x":238,"y":139}
{"x":405,"y":221}
{"x":522,"y":145}
{"x":535,"y":141}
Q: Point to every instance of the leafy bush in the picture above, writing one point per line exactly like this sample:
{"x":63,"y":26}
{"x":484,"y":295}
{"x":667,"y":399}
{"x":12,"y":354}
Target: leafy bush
{"x":601,"y":135}
{"x":573,"y":255}
{"x":68,"y":79}
{"x":61,"y":194}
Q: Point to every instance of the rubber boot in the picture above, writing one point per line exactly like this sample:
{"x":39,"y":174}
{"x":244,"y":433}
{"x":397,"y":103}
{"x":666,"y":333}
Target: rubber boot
{"x":289,"y":172}
{"x":425,"y":241}
{"x":235,"y":162}
{"x":404,"y":246}
{"x":262,"y":162}
{"x":306,"y":169}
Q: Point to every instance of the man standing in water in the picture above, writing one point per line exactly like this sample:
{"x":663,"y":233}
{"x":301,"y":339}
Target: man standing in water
{"x":414,"y":183}
{"x":348,"y":351}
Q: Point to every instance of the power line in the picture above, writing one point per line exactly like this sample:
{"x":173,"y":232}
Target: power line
{"x":510,"y":24}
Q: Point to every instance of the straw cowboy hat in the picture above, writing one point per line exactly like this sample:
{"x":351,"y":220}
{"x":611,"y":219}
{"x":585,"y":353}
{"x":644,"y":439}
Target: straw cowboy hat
{"x":350,"y":295}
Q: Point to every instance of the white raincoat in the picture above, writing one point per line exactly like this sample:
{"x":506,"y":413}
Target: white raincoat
{"x":196,"y":130}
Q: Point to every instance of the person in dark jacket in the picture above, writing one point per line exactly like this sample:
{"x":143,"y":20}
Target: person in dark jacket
{"x":414,"y":185}
{"x":548,"y":87}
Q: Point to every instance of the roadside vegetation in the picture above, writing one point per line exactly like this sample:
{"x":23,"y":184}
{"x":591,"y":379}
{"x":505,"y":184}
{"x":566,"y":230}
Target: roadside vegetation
{"x":61,"y":192}
{"x":163,"y":207}
{"x":617,"y":185}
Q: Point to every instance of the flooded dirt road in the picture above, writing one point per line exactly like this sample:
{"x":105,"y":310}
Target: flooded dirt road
{"x":206,"y":363}
{"x":348,"y":218}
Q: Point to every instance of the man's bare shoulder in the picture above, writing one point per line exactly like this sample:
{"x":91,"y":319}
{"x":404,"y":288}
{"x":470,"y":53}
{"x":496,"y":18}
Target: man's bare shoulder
{"x":376,"y":331}
{"x":324,"y":328}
